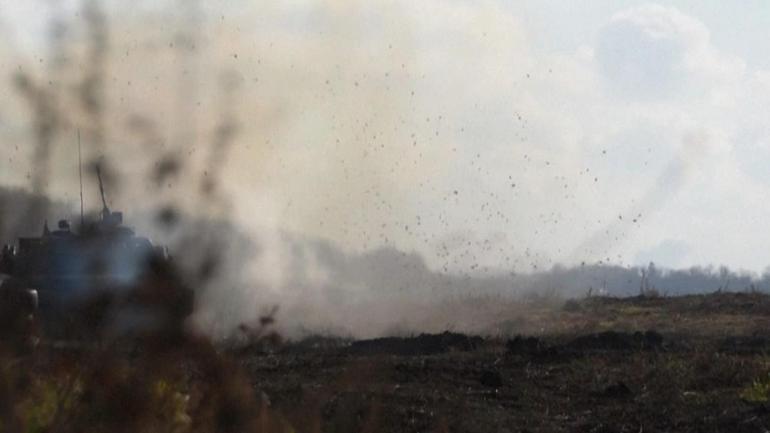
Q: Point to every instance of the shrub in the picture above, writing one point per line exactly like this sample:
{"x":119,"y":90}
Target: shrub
{"x":758,"y":391}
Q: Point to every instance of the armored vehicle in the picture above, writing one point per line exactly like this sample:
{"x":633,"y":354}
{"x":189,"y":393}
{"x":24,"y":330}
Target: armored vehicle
{"x":53,"y":275}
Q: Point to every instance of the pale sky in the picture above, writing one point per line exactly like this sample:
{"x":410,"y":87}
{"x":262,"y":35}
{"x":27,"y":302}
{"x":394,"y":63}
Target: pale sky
{"x":503,"y":134}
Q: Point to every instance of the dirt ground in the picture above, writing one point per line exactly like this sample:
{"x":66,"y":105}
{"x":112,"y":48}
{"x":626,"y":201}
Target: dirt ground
{"x":685,"y":364}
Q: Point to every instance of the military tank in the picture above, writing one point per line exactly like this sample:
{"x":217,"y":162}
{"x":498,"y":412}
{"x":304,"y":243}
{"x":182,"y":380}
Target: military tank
{"x":54,"y":276}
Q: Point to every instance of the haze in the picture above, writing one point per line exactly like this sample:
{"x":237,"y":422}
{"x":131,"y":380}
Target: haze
{"x":484,"y":136}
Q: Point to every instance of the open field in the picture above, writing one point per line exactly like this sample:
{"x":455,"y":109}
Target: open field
{"x":687,"y":364}
{"x":704,"y":365}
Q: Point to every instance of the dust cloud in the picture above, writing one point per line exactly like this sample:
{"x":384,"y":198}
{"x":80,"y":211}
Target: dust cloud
{"x":308,"y":157}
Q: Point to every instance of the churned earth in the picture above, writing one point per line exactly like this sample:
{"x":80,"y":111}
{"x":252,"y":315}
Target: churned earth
{"x":647,"y":364}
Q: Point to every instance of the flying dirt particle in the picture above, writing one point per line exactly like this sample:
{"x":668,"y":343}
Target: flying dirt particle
{"x":166,"y":168}
{"x":167,"y":216}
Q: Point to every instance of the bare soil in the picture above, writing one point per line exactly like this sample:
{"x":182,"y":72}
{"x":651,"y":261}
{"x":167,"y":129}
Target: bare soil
{"x":596,"y":365}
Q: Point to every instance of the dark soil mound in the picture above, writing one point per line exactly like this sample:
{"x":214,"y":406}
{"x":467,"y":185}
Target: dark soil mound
{"x":536,"y":348}
{"x":616,"y":391}
{"x":491,"y":379}
{"x":423,"y":344}
{"x":525,"y":345}
{"x":745,"y":344}
{"x":612,"y":340}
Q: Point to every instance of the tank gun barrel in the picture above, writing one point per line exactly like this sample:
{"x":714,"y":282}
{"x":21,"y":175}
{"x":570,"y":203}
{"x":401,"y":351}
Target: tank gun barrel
{"x":105,"y":209}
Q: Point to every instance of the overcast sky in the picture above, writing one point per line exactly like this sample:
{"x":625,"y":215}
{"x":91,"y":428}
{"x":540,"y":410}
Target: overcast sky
{"x":482,"y":134}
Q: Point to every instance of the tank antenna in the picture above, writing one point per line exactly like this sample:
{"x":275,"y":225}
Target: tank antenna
{"x":80,"y":175}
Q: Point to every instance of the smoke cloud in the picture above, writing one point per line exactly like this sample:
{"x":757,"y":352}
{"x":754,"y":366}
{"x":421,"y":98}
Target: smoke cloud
{"x":367,"y":164}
